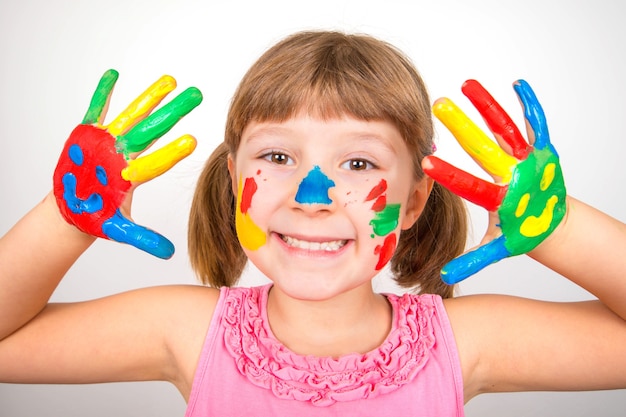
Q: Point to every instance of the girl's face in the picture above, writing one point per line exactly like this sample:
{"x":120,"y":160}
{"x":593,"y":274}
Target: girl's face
{"x":321,"y":203}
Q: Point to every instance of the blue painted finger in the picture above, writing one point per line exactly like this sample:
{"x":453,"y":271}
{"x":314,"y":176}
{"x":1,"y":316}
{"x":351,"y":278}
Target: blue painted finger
{"x":121,"y":229}
{"x":533,"y":112}
{"x":471,"y":262}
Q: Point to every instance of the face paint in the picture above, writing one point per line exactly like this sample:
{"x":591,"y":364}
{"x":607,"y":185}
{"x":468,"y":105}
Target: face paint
{"x":250,"y":235}
{"x":385,"y":251}
{"x":377,"y":194}
{"x":314,"y":188}
{"x":385,"y":221}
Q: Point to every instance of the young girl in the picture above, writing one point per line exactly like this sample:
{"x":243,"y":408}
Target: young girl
{"x":319,"y":183}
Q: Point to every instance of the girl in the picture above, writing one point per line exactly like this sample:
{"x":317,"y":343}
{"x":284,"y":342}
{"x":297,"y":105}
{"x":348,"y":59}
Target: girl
{"x":319,"y":183}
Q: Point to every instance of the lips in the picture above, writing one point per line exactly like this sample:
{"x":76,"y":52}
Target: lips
{"x":327,"y":246}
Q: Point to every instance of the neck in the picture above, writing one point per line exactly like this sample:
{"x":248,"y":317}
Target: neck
{"x":356,"y":321}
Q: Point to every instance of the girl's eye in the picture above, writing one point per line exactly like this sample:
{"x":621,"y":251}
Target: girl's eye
{"x":278,"y":158}
{"x":358,"y":165}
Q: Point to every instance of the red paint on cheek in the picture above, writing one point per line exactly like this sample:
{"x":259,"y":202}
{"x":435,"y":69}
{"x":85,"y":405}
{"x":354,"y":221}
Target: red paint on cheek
{"x":380,"y":188}
{"x":249,"y":189}
{"x":379,"y":204}
{"x":385,"y":252}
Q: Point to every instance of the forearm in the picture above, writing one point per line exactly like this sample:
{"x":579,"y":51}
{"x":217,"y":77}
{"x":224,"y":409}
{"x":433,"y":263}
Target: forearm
{"x":34,"y":256}
{"x":589,"y":248}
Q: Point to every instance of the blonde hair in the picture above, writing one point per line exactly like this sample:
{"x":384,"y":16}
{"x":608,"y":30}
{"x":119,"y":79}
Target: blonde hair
{"x":329,"y":74}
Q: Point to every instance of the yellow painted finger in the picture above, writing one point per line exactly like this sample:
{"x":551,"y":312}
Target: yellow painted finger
{"x":156,"y":163}
{"x":142,"y":105}
{"x":476,"y":143}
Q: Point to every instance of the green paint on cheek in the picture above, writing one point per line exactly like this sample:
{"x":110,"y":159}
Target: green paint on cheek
{"x":386,"y":220}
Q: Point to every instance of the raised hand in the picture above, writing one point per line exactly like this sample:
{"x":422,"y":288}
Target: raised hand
{"x":100,"y":164}
{"x":527,"y":197}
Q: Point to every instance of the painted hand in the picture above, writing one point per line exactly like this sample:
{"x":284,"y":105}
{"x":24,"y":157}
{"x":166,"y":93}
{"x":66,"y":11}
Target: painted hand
{"x":100,"y":165}
{"x":527,"y":197}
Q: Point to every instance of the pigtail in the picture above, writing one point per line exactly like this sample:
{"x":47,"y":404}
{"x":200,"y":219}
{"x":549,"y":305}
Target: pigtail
{"x":438,"y":236}
{"x":214,"y":250}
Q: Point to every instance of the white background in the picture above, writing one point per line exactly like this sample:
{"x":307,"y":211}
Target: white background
{"x":53,"y":53}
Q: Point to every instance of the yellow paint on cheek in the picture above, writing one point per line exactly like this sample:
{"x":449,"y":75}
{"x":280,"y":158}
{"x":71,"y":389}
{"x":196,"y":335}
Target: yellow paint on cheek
{"x":250,"y":235}
{"x":534,"y":226}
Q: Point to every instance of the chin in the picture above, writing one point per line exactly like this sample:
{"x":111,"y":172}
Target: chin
{"x":315,"y":288}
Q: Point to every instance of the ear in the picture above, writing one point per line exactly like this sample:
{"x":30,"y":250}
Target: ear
{"x":417,"y":201}
{"x":233,"y":174}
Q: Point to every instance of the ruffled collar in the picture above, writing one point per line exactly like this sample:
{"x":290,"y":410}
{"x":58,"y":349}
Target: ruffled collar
{"x":322,"y":381}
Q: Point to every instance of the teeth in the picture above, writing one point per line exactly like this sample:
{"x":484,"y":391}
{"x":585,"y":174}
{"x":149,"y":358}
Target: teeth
{"x":330,"y":246}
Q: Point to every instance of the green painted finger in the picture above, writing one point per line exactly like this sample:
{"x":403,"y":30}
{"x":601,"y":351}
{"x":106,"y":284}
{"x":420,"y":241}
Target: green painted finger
{"x":101,"y":97}
{"x":160,"y":122}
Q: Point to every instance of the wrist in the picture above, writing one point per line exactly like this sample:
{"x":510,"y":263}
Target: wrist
{"x":61,"y":226}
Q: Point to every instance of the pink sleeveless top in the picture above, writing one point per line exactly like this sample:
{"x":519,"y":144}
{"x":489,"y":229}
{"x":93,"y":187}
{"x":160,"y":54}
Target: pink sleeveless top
{"x":245,"y":371}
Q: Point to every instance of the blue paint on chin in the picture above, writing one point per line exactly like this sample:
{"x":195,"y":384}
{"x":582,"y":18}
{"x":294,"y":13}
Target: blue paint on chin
{"x":314,"y":188}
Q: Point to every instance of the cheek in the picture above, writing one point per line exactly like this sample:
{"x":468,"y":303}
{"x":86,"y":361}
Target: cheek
{"x":384,"y":222}
{"x":250,"y":235}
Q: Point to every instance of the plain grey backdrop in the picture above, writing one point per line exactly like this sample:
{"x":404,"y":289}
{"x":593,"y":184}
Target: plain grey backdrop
{"x":53,"y":53}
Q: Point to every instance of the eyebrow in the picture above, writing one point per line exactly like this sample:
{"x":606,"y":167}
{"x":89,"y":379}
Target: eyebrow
{"x":359,"y":134}
{"x":266,"y":130}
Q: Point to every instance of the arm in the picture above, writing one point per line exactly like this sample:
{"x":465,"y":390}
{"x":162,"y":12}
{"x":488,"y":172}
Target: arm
{"x":34,"y":256}
{"x":588,"y":249}
{"x":514,"y":344}
{"x":126,"y":337}
{"x":98,"y":170}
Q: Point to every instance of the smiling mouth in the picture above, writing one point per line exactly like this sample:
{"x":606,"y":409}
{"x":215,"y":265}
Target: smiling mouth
{"x":329,"y":246}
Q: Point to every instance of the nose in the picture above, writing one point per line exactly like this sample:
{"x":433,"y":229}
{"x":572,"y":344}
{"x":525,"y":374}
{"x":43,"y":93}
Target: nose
{"x":312,"y":194}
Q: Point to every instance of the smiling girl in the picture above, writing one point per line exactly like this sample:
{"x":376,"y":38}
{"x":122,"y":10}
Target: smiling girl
{"x":319,"y":183}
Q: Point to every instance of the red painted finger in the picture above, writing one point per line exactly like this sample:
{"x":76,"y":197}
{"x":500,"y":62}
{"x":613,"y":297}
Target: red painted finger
{"x":498,"y":121}
{"x":471,"y":188}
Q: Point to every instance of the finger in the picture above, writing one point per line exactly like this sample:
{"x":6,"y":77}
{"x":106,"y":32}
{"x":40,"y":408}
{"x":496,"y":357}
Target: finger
{"x":533,"y":112}
{"x":152,"y":165}
{"x":100,"y":99}
{"x":142,"y":105}
{"x":471,"y":262}
{"x":482,"y":149}
{"x":498,"y":121}
{"x":159,"y":123}
{"x":121,"y":229}
{"x":463,"y":184}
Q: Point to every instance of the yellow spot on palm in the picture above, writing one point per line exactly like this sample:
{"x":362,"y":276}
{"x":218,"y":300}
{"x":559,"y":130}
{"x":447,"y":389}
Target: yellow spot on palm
{"x":548,"y":176}
{"x":534,"y":226}
{"x":522,"y":205}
